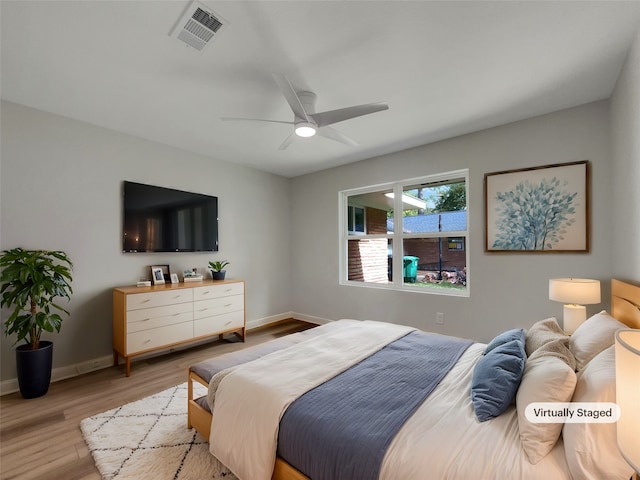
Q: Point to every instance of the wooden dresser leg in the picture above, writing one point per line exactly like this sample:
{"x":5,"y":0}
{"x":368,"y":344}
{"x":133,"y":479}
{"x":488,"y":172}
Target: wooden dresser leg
{"x":128,"y":365}
{"x":189,"y":398}
{"x":115,"y":358}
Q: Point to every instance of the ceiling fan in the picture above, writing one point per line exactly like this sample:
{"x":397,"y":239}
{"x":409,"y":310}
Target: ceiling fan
{"x":306,"y":122}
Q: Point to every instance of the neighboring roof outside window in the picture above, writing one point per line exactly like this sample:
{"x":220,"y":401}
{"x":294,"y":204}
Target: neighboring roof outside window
{"x":450,"y":222}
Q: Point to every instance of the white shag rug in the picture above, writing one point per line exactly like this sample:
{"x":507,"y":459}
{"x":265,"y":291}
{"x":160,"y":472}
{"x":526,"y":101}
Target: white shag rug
{"x":149,"y":440}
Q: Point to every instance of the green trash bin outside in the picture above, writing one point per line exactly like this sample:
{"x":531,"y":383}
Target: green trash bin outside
{"x":410,"y":270}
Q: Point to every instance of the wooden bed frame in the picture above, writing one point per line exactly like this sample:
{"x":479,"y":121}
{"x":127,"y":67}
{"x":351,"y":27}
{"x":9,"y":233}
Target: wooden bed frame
{"x":625,"y":306}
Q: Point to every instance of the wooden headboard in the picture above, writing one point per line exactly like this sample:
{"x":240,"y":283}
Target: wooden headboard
{"x":625,"y":303}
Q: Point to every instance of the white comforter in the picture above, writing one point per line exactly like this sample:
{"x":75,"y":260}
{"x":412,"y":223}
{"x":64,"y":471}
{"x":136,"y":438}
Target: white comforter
{"x":251,"y":399}
{"x":442,"y":440}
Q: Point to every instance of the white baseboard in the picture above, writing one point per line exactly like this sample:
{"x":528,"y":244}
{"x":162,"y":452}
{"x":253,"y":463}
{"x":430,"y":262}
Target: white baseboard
{"x":60,"y":373}
{"x":261,"y":322}
{"x":310,"y":318}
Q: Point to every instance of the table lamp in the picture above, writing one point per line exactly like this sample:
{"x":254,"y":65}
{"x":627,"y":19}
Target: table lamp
{"x":627,"y":351}
{"x":574,"y":293}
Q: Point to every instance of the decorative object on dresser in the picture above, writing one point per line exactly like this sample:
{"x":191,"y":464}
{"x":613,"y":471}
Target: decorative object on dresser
{"x":148,"y":319}
{"x":217,"y":269}
{"x":192,"y":276}
{"x":157,"y":277}
{"x":574,"y":293}
{"x":31,"y":280}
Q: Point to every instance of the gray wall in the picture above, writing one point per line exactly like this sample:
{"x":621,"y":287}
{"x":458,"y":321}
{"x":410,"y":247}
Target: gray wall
{"x":625,"y":126}
{"x":506,"y":290}
{"x":60,"y":190}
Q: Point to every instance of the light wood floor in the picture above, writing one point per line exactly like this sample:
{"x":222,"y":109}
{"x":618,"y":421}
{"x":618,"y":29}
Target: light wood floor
{"x":41,"y":439}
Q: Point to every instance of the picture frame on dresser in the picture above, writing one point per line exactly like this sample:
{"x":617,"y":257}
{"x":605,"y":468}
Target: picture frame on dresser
{"x":157,"y":277}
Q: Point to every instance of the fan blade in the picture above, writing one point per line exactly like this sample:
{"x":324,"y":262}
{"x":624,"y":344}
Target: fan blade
{"x":341,"y":114}
{"x":287,"y":141}
{"x":291,"y":96}
{"x":233,"y":119}
{"x":333,"y":134}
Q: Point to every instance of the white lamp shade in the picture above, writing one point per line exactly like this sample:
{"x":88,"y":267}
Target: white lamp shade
{"x":579,"y":291}
{"x":627,"y":348}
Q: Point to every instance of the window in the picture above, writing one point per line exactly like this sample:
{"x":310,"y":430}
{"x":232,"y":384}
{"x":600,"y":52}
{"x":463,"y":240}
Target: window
{"x":356,"y":220}
{"x":409,"y":235}
{"x":456,"y":243}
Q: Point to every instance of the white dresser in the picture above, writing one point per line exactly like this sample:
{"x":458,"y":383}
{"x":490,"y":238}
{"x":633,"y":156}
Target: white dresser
{"x":146,"y":319}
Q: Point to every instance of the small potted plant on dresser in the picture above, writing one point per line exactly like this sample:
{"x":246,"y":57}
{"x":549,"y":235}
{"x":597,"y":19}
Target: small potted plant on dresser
{"x":30,"y":281}
{"x":217,"y":269}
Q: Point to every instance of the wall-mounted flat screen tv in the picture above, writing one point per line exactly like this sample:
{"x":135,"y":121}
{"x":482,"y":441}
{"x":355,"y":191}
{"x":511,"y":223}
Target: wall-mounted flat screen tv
{"x":158,"y":219}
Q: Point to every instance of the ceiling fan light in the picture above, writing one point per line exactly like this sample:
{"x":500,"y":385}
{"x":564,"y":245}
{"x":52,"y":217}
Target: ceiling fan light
{"x":305,"y":129}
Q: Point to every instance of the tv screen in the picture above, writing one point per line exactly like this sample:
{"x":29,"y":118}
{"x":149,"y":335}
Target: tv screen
{"x":158,"y":219}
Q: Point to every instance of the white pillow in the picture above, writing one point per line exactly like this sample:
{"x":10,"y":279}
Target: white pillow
{"x":547,"y":378}
{"x":591,"y":448}
{"x":593,"y":336}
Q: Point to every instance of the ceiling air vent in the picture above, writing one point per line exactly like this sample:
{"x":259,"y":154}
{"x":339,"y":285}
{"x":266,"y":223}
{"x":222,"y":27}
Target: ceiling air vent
{"x":198,"y":26}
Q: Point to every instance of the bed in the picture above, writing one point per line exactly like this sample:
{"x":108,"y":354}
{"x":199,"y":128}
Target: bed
{"x":457,"y":429}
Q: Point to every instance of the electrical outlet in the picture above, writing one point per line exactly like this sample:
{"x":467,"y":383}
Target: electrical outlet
{"x":439,"y":318}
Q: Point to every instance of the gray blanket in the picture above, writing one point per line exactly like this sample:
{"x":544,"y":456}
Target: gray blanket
{"x":341,"y":429}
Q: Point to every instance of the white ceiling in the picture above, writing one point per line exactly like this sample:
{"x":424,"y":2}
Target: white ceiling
{"x":445,"y":68}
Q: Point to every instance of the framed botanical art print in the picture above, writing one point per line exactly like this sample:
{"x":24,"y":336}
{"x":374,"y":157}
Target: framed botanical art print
{"x":539,"y":210}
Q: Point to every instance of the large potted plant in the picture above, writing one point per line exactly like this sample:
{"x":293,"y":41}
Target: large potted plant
{"x":217,"y":269}
{"x":30,"y":282}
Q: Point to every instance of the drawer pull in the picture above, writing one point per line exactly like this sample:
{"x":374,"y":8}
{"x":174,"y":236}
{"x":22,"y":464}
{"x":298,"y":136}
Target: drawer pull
{"x":228,"y":305}
{"x":205,"y":293}
{"x":147,"y":341}
{"x":145,"y":301}
{"x":146,"y":319}
{"x":228,"y":322}
{"x":175,"y":314}
{"x":203,"y":309}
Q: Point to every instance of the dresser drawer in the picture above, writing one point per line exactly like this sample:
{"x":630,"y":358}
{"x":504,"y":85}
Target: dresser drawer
{"x":218,"y":306}
{"x":145,"y":314}
{"x":218,"y":323}
{"x":157,"y":299}
{"x":160,"y":321}
{"x":159,"y":337}
{"x":216,"y":291}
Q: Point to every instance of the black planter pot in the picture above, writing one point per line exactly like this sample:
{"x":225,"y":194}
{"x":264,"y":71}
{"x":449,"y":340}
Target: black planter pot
{"x":34,"y":369}
{"x":218,"y":275}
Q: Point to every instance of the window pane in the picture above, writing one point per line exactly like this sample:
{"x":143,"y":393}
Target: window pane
{"x":369,"y":213}
{"x":368,"y":260}
{"x":429,"y":262}
{"x":432,"y":208}
{"x":358,"y":219}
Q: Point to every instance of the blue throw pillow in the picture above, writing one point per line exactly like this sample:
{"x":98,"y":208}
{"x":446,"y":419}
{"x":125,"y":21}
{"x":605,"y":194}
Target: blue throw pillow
{"x":496,"y":378}
{"x":515,"y":334}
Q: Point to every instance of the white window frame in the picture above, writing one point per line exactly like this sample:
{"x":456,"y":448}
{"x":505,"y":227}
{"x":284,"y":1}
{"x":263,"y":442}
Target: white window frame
{"x":397,"y":236}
